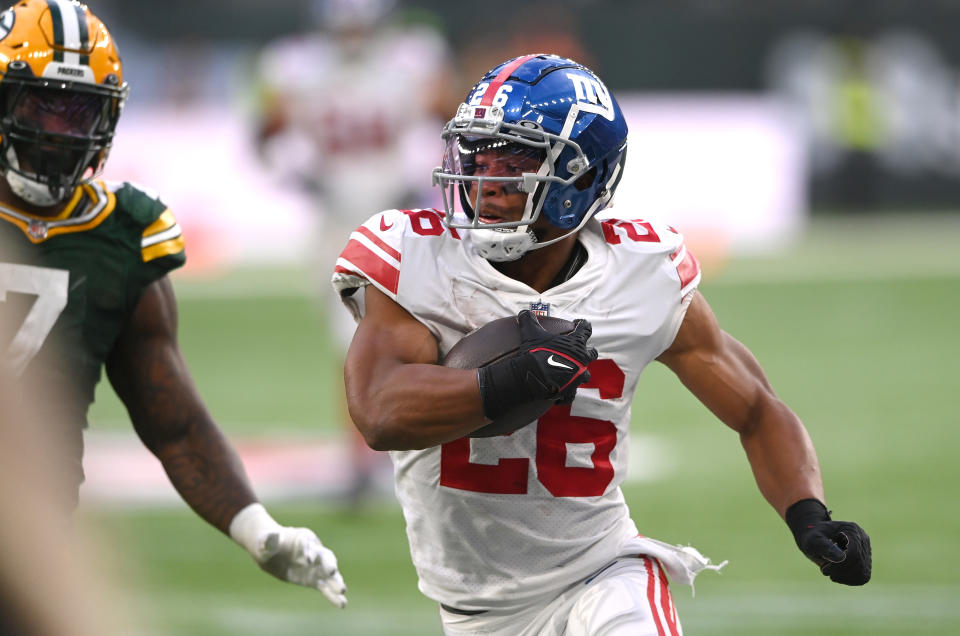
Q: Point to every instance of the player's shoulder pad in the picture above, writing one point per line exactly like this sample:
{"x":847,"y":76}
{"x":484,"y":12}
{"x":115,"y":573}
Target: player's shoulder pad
{"x":374,"y":252}
{"x":640,"y":235}
{"x":638,"y":239}
{"x":161,"y":234}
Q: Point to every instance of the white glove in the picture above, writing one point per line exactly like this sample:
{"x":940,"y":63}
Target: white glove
{"x":290,"y":554}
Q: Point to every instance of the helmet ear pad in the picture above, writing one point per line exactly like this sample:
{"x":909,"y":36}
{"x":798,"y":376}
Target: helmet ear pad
{"x":564,"y":206}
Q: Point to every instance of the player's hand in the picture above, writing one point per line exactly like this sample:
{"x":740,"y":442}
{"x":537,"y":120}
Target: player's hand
{"x":840,"y":548}
{"x":549,"y":367}
{"x":290,"y":554}
{"x":556,"y":364}
{"x":297,"y":555}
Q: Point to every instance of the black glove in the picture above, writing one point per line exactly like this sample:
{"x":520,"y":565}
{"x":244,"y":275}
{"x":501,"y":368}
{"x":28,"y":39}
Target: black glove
{"x":840,"y":548}
{"x":548,"y":367}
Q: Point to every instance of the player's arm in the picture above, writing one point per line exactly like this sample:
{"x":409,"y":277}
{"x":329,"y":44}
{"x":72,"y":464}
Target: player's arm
{"x":725,"y":376}
{"x":398,"y":396}
{"x":149,"y":374}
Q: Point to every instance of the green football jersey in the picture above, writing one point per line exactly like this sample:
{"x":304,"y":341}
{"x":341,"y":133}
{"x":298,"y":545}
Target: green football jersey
{"x":69,"y":284}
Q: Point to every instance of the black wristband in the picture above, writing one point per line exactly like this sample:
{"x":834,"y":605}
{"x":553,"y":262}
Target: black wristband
{"x":802,"y":515}
{"x":501,"y":387}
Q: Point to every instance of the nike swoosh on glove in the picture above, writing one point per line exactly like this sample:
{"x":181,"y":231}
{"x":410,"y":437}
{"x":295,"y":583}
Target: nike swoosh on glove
{"x":840,"y":548}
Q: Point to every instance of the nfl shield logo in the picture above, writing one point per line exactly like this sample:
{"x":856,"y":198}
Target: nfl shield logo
{"x":540,"y":309}
{"x":37,"y":230}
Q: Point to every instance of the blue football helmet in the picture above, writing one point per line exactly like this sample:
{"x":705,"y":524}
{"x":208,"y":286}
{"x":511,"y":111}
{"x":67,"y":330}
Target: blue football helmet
{"x":559,"y":136}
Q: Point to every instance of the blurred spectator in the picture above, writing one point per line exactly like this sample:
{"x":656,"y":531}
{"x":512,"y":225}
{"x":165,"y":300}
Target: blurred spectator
{"x":346,"y":111}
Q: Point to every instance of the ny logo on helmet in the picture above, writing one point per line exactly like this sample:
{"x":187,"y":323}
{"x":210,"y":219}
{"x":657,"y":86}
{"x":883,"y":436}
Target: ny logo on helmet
{"x":592,"y":95}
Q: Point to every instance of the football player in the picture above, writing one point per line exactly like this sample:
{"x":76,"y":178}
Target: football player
{"x":528,"y":533}
{"x":84,"y":285}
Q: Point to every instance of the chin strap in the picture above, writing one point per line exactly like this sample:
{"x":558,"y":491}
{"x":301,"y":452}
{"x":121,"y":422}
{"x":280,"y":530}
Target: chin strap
{"x":500,"y":246}
{"x":31,"y":191}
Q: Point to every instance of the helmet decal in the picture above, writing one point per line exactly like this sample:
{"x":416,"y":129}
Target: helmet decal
{"x":69,"y":31}
{"x":494,"y":93}
{"x":592,"y":95}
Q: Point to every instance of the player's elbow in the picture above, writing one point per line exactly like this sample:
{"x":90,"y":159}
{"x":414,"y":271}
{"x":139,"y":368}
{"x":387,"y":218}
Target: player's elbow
{"x":387,"y":432}
{"x":378,"y":428}
{"x":764,"y":410}
{"x":376,"y":437}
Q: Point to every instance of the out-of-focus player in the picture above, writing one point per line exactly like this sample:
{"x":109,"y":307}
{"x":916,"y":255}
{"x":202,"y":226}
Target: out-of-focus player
{"x":528,"y":533}
{"x":349,"y":112}
{"x":84,"y":286}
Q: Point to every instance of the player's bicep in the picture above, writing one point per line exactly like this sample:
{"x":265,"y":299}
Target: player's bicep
{"x":147,"y":370}
{"x":387,"y":337}
{"x":718,"y":369}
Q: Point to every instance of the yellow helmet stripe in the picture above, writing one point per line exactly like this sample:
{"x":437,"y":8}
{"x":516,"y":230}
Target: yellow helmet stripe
{"x":69,"y":31}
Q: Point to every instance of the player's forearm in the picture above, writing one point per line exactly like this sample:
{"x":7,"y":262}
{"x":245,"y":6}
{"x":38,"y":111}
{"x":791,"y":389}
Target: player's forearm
{"x":207,"y":472}
{"x":416,"y":406}
{"x":782,"y":457}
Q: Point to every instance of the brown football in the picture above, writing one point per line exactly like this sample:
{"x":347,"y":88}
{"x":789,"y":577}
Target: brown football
{"x":496,"y":340}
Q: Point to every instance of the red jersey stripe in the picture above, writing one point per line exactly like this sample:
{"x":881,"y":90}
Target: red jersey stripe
{"x":340,"y":269}
{"x":379,"y":242}
{"x":688,"y":268}
{"x":502,"y":77}
{"x":372,"y":266}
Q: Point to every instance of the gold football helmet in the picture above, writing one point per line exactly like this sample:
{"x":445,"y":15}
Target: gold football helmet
{"x":61,"y":93}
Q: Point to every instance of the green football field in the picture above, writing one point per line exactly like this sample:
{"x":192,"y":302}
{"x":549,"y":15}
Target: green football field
{"x":857,"y":330}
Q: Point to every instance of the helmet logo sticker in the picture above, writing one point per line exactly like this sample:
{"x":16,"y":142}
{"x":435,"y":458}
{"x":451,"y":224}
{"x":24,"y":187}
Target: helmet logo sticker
{"x":7,"y":18}
{"x":592,"y":95}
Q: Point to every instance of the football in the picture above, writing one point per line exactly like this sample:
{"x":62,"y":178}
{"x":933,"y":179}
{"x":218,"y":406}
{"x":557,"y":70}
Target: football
{"x":496,"y":340}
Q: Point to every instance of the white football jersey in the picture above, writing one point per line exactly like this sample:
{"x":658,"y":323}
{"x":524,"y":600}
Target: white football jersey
{"x":504,"y":521}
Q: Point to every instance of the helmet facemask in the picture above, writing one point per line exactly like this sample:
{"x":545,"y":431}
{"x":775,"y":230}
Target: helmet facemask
{"x":55,"y":134}
{"x":484,"y":154}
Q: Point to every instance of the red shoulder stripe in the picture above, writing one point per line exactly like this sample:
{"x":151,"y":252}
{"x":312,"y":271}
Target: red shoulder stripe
{"x":372,"y":266}
{"x":688,"y":268}
{"x":379,"y":242}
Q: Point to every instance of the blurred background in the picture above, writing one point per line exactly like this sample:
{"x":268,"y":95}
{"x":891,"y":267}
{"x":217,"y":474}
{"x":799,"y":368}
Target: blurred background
{"x":808,"y":149}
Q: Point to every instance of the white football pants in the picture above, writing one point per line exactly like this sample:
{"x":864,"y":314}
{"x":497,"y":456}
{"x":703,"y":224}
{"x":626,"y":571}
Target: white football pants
{"x":629,"y":597}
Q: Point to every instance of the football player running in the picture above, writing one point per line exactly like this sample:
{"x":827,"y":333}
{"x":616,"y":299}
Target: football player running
{"x":83,"y":280}
{"x":528,"y":533}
